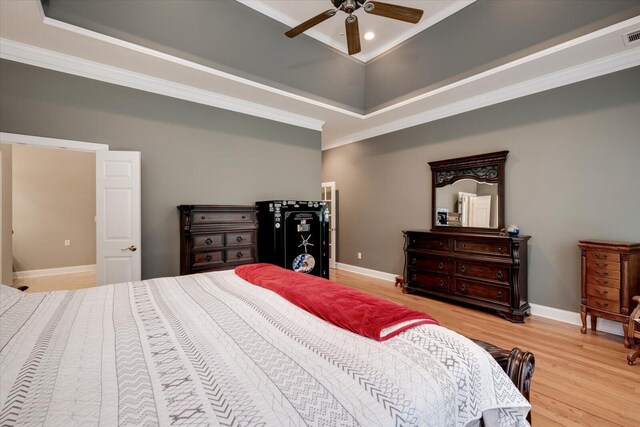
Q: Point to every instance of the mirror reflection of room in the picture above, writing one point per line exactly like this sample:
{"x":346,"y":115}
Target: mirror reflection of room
{"x":467,"y":203}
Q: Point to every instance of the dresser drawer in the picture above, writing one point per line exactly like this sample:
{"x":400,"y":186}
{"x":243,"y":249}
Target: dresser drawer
{"x":202,"y":241}
{"x":483,"y":270}
{"x":603,"y":264}
{"x":239,"y":254}
{"x":239,"y":238}
{"x":424,"y":242}
{"x":203,"y":217}
{"x":485,"y":247}
{"x":435,"y":282}
{"x":603,"y":292}
{"x":425,"y":262}
{"x":598,"y":273}
{"x":603,"y":304}
{"x":602,"y":256}
{"x":603,"y":281}
{"x":207,"y":258}
{"x":483,"y":291}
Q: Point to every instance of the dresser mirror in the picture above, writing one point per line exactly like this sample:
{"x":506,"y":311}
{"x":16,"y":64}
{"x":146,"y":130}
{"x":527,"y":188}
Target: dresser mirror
{"x":468,"y":193}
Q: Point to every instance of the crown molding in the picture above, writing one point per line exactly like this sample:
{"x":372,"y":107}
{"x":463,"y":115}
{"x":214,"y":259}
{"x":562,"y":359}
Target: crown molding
{"x":42,"y":141}
{"x":602,"y":66}
{"x":19,"y":52}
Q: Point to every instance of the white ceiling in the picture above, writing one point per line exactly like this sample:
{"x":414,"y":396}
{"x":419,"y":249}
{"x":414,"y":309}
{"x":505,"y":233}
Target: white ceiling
{"x":388,"y":32}
{"x":27,"y":36}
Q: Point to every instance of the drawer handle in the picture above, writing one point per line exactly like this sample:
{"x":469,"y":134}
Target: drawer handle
{"x":239,"y":255}
{"x":208,"y":257}
{"x":603,"y":293}
{"x":600,"y":256}
{"x":599,"y":304}
{"x":239,"y":239}
{"x":441,"y":266}
{"x":413,"y":241}
{"x":244,"y":217}
{"x":414,"y":276}
{"x":203,"y":217}
{"x":441,"y":283}
{"x":499,"y":249}
{"x":463,"y":288}
{"x":463,"y":269}
{"x":606,"y":282}
{"x":441,"y":244}
{"x":208,"y":241}
{"x":499,"y":295}
{"x":413,"y":260}
{"x":499,"y":275}
{"x":462,"y":245}
{"x":604,"y":264}
{"x":602,"y":273}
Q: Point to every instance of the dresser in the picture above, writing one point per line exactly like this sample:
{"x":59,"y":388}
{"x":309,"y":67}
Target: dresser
{"x":481,"y":270}
{"x":216,"y":237}
{"x":610,"y":279}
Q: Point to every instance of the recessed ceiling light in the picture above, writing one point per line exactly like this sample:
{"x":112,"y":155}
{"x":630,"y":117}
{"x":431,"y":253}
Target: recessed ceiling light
{"x":369,"y":35}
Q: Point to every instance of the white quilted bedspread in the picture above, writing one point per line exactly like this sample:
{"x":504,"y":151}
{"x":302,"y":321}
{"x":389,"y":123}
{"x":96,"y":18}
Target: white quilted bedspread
{"x":212,"y":349}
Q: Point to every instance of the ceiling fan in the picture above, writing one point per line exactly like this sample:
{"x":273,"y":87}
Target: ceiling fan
{"x":401,"y":13}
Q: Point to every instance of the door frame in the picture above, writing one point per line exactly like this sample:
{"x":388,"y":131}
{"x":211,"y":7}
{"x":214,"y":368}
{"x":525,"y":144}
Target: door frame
{"x":333,"y":213}
{"x":42,"y":141}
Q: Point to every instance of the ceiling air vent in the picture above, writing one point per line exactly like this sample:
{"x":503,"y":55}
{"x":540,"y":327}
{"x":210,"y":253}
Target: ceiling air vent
{"x":631,"y":38}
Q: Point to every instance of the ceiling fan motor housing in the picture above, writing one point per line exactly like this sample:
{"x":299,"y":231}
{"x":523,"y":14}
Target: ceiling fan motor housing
{"x":356,"y":4}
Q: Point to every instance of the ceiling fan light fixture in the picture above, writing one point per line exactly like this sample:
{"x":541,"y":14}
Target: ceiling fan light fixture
{"x":369,"y":35}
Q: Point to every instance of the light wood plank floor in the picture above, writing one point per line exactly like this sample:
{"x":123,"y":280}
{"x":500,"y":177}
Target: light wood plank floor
{"x":580,"y":380}
{"x":57,"y":282}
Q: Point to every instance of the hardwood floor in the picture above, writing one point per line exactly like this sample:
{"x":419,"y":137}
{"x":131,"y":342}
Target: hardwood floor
{"x":58,"y":282}
{"x":580,"y":380}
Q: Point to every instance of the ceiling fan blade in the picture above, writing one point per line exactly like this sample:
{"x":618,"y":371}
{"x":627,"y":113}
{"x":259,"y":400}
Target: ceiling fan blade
{"x":310,"y":23}
{"x":401,"y":13}
{"x":353,"y":34}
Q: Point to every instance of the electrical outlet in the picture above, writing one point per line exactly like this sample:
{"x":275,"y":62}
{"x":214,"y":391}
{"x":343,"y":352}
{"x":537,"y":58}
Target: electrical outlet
{"x":359,"y":255}
{"x":67,"y":242}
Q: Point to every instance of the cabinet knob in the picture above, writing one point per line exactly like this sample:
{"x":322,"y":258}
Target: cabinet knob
{"x":239,"y":239}
{"x":239,"y":255}
{"x":441,"y":243}
{"x":414,"y":276}
{"x":463,"y":269}
{"x":463,"y":288}
{"x":441,"y":283}
{"x":441,"y":266}
{"x":499,"y":275}
{"x":499,"y":249}
{"x":208,"y":257}
{"x":462,"y":245}
{"x":203,"y":217}
{"x":413,"y":260}
{"x":208,"y":241}
{"x":244,"y":217}
{"x":499,"y":295}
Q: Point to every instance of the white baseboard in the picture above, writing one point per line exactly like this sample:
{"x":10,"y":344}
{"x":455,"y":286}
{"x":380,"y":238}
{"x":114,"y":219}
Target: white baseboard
{"x":54,"y":271}
{"x":552,"y":313}
{"x":390,"y":277}
{"x":573,"y":318}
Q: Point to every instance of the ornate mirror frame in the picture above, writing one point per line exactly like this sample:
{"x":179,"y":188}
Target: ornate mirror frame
{"x":482,"y":168}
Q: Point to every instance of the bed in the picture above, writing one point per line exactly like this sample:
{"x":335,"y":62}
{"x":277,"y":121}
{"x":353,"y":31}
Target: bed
{"x":214,"y":349}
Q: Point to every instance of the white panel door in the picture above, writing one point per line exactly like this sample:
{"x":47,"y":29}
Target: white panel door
{"x":479,"y":211}
{"x":328,"y":195}
{"x":118,"y":228}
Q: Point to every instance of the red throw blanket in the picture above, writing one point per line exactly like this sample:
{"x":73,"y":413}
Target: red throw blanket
{"x":347,"y":308}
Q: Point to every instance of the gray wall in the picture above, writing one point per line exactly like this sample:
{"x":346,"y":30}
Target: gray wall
{"x":54,"y":199}
{"x":572,"y":173}
{"x":229,"y":36}
{"x":190,"y":153}
{"x":481,"y":36}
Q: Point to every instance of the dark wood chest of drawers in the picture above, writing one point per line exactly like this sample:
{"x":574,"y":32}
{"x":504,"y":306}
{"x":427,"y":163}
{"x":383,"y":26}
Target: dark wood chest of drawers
{"x":216,"y":237}
{"x":483,"y":270}
{"x":610,"y":279}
